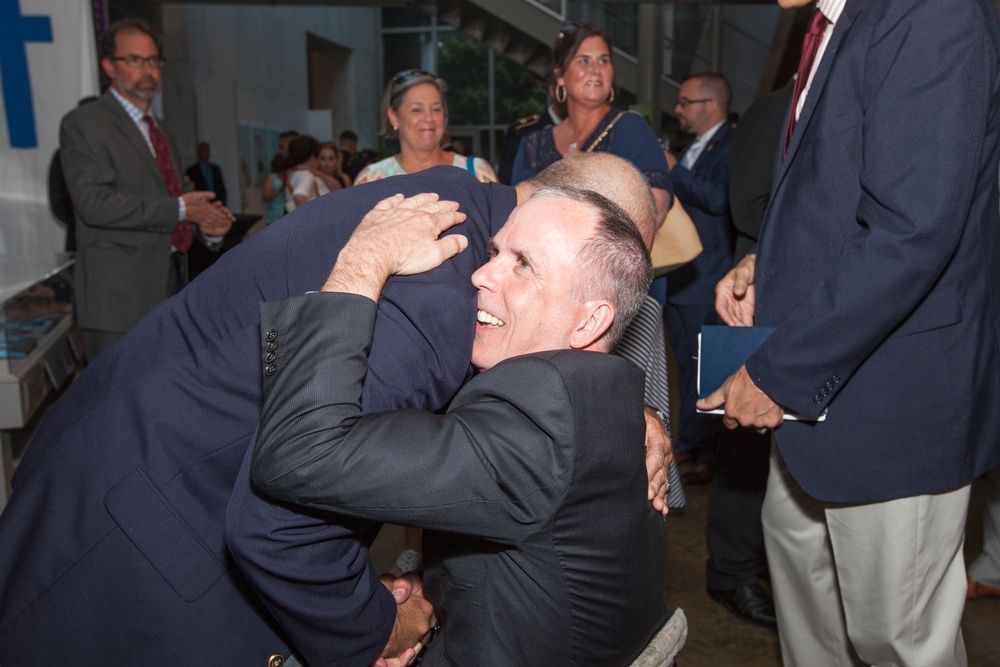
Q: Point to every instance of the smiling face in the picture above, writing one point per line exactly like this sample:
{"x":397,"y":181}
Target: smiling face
{"x":589,"y":75}
{"x":526,"y":296}
{"x":139,"y":86}
{"x":420,"y":118}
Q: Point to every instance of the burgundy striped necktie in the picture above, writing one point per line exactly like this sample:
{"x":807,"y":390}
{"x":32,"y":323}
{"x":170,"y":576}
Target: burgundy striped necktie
{"x":810,"y":46}
{"x":183,"y":234}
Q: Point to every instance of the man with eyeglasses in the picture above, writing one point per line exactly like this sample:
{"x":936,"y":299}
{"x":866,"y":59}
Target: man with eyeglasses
{"x":700,"y":175}
{"x":135,"y":223}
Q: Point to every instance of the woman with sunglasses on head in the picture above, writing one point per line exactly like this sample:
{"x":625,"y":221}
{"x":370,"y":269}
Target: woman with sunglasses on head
{"x":415,"y":112}
{"x":584,"y":76}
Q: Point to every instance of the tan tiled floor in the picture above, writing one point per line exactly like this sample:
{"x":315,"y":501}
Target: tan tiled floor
{"x":716,"y":638}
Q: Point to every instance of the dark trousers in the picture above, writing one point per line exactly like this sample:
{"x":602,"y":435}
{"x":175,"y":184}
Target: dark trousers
{"x":695,"y":432}
{"x":735,"y":534}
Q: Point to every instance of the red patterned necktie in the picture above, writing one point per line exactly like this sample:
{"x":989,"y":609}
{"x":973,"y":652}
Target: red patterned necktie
{"x":183,"y":234}
{"x":810,"y":46}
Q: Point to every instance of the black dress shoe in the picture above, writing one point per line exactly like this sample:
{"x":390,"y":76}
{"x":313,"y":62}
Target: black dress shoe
{"x":749,"y":602}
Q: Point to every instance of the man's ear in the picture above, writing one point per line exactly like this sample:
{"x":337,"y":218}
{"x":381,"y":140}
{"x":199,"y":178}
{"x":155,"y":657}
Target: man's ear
{"x":598,"y":318}
{"x":109,"y":68}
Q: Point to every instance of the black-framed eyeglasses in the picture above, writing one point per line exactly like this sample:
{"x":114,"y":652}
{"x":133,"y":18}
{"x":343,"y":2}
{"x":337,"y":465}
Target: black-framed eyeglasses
{"x":568,"y":29}
{"x":684,"y":102}
{"x":136,"y":62}
{"x":408,"y":74}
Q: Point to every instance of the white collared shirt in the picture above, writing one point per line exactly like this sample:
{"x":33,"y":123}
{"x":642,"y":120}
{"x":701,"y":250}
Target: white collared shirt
{"x":832,"y":9}
{"x":696,"y":148}
{"x":136,"y":114}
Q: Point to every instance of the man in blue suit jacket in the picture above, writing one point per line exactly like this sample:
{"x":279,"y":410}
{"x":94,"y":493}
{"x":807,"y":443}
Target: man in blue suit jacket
{"x":877,"y":264}
{"x":701,"y":183}
{"x":112,"y":547}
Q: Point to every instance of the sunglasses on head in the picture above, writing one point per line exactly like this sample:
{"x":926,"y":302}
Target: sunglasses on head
{"x":408,"y":74}
{"x":568,"y":29}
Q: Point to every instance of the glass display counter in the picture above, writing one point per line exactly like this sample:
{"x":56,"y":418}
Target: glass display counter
{"x":40,"y":348}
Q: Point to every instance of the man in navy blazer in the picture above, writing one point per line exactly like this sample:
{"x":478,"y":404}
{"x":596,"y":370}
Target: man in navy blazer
{"x":701,"y":183}
{"x":112,"y":545}
{"x":877,"y":266}
{"x":207,"y":175}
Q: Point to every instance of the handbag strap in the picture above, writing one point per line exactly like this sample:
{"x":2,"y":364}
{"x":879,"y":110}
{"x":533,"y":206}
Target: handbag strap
{"x":600,"y":137}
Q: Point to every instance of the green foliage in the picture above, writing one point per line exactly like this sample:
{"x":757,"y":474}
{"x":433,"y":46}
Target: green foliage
{"x":464,"y":64}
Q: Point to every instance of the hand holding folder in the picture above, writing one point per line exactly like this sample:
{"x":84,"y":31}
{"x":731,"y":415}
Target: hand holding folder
{"x":722,"y":351}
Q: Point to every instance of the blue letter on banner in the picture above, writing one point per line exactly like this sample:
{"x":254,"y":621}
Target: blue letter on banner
{"x":15,"y":30}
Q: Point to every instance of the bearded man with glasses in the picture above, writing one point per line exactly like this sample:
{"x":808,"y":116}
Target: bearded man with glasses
{"x":135,"y":222}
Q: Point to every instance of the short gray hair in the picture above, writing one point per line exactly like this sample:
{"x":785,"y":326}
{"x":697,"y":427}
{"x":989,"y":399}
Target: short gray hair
{"x":614,"y":261}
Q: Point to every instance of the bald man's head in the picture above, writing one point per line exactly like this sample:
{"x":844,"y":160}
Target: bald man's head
{"x":608,"y":175}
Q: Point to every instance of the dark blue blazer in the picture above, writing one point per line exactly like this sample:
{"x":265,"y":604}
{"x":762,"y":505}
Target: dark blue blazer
{"x":879,"y":257}
{"x":704,"y":192}
{"x":198,"y":179}
{"x":112,"y":547}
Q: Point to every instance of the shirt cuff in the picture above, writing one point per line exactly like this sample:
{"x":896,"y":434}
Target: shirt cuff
{"x":181,"y":209}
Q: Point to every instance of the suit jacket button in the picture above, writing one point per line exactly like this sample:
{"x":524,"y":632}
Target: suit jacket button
{"x":272,"y":334}
{"x":276,"y":660}
{"x":272,"y":346}
{"x":817,"y":400}
{"x":271,"y":356}
{"x":270,"y":370}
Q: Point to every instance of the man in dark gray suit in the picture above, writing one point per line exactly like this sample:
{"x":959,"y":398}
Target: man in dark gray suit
{"x":553,"y":555}
{"x":122,"y":172}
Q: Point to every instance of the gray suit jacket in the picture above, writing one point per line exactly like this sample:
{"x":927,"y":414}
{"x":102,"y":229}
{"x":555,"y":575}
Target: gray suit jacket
{"x":125,"y":216}
{"x":552,"y":554}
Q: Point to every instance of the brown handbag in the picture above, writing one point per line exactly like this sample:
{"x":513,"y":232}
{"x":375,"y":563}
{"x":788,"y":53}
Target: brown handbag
{"x":676,"y":242}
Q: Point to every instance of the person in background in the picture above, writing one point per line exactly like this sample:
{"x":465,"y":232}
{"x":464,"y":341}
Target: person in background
{"x":207,"y":175}
{"x":60,"y":202}
{"x":350,"y":160}
{"x":330,"y":170}
{"x":283,"y":140}
{"x":415,"y":111}
{"x":701,"y":183}
{"x":585,"y":76}
{"x":273,"y":193}
{"x":735,"y":535}
{"x":303,"y":184}
{"x":135,"y":223}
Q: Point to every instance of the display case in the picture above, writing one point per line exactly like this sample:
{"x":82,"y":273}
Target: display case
{"x":40,"y":348}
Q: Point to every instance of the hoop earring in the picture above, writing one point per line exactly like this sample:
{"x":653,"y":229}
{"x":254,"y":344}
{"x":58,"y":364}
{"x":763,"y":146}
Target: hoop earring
{"x":560,"y":94}
{"x":611,"y":98}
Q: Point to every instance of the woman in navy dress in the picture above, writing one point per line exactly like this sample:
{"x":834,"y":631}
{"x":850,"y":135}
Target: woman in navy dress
{"x":584,"y":74}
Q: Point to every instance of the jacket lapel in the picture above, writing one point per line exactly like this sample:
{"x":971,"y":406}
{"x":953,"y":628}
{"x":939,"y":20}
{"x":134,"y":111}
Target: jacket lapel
{"x":818,"y":86}
{"x":132,"y":133}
